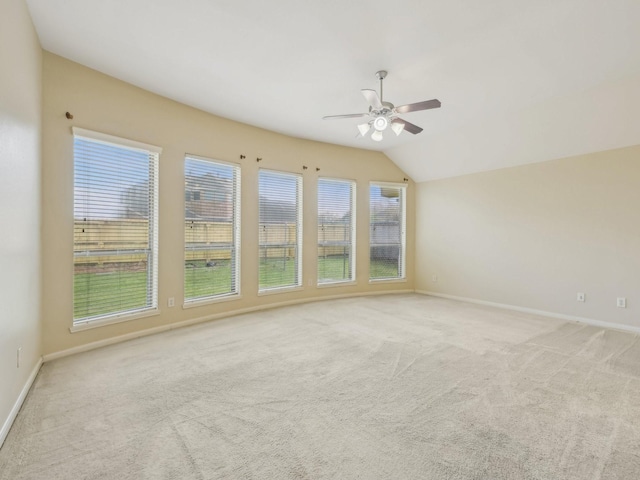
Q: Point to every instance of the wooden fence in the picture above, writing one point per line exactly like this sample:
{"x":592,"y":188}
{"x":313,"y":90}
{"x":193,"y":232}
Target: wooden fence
{"x":126,"y":240}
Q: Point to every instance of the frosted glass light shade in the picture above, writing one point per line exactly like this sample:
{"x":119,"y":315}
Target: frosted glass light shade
{"x":377,"y":136}
{"x":397,"y":128}
{"x":364,"y":128}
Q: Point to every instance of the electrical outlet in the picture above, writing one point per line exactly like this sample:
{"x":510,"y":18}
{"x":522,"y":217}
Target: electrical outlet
{"x":622,"y":302}
{"x":18,"y":355}
{"x":171,"y":302}
{"x":310,"y":282}
{"x":581,"y":297}
{"x":434,"y":278}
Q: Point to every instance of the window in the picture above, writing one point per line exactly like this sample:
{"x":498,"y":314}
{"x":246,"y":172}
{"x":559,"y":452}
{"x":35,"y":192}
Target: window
{"x":212,"y":228}
{"x":336,"y":233}
{"x":387,"y":231}
{"x":115,"y":241}
{"x":280,"y":236}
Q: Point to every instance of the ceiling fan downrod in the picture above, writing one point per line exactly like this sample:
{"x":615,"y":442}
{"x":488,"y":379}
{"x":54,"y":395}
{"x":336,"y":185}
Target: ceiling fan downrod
{"x":381,"y":75}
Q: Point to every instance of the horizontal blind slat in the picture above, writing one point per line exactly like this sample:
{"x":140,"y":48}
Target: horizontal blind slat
{"x":336,"y":223}
{"x":211,"y":230}
{"x":386,"y":231}
{"x":280,"y":229}
{"x":115,"y":207}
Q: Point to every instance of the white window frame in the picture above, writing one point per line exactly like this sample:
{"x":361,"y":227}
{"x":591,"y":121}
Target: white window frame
{"x":352,"y":228}
{"x":154,"y":152}
{"x":402,"y":267}
{"x":190,"y":302}
{"x":299,"y":219}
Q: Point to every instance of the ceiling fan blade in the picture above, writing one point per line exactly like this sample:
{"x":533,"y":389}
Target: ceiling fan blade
{"x":414,"y":107}
{"x":373,"y":98}
{"x":350,"y":115}
{"x":409,"y":127}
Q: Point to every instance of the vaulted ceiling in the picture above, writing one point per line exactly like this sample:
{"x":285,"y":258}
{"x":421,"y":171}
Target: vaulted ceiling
{"x":520,"y":81}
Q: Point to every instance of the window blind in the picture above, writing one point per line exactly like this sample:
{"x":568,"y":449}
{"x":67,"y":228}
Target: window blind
{"x":387,"y":231}
{"x":212,"y":222}
{"x":115,"y":226}
{"x":280,"y":229}
{"x":336,"y":232}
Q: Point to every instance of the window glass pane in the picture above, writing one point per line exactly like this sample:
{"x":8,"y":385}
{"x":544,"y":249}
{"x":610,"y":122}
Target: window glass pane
{"x":114,"y":229}
{"x":335,"y":230}
{"x":211,"y":228}
{"x":280,"y":229}
{"x":386,"y":232}
{"x":109,"y":284}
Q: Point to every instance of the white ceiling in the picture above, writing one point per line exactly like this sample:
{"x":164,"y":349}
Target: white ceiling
{"x":520,"y":81}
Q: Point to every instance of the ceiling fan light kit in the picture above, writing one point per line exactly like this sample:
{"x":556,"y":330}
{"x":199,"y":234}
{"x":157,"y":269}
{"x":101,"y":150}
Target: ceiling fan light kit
{"x":397,"y":127}
{"x":364,"y":128}
{"x":384,"y":113}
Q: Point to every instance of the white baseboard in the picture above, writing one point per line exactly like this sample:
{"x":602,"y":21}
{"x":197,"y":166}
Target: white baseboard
{"x":543,"y":313}
{"x":16,"y":406}
{"x":163,"y":328}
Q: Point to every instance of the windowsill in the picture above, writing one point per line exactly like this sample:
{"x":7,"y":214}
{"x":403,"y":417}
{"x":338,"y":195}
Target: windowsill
{"x":103,"y":322}
{"x":212,"y":300}
{"x":347,"y":283}
{"x":387,"y":280}
{"x":275,"y":291}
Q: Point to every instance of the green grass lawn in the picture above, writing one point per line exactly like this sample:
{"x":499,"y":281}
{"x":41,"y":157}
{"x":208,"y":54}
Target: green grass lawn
{"x":118,"y":291}
{"x":277,"y":272}
{"x":383,"y":269}
{"x":100,"y":293}
{"x":333,"y":269}
{"x":202,"y":281}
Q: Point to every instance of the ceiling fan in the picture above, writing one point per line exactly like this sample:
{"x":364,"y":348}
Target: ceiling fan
{"x":384,"y":114}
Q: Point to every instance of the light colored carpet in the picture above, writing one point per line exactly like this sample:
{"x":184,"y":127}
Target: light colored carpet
{"x":388,"y":387}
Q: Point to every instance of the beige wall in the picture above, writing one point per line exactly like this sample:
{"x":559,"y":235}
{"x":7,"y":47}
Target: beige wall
{"x":103,"y":104}
{"x":20,"y":111}
{"x":533,"y":236}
